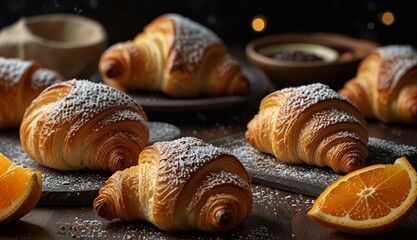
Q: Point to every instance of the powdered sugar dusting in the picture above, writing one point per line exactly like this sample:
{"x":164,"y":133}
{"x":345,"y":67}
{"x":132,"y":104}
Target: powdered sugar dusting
{"x":11,"y":71}
{"x":223,"y":177}
{"x":191,"y":42}
{"x":87,"y":226}
{"x":227,"y":63}
{"x":270,"y":199}
{"x":268,"y":164}
{"x":302,"y":105}
{"x":344,"y":134}
{"x":43,"y":78}
{"x":161,"y":131}
{"x":391,"y":51}
{"x":386,"y":152}
{"x":52,"y":180}
{"x":182,"y":157}
{"x":86,"y":100}
{"x":332,"y":116}
{"x":305,"y":96}
{"x":117,"y":116}
{"x":215,"y":179}
{"x":396,"y":61}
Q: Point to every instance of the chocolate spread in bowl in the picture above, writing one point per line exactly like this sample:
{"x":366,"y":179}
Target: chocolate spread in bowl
{"x":297,"y":56}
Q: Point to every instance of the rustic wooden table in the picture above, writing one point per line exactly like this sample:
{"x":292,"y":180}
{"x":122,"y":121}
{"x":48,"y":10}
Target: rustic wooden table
{"x":276,"y":214}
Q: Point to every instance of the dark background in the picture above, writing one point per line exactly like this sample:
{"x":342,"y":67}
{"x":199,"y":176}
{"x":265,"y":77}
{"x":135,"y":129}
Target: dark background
{"x":230,"y":19}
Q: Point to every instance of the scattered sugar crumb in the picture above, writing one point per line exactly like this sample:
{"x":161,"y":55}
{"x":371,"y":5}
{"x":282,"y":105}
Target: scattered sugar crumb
{"x":82,"y":228}
{"x":260,"y":165}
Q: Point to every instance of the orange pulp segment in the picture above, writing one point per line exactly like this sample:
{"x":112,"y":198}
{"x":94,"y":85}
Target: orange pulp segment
{"x":370,"y":200}
{"x":21,"y":189}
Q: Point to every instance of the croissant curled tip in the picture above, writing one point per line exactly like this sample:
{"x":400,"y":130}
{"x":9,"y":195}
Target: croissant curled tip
{"x":243,"y":86}
{"x":222,"y":217}
{"x":111,"y":68}
{"x":119,"y":162}
{"x":248,"y":136}
{"x":102,"y":208}
{"x":353,"y":164}
{"x":413,"y":111}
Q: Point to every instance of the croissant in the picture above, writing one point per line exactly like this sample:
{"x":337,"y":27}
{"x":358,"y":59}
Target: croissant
{"x":180,"y":185}
{"x":385,"y":87}
{"x":176,"y":56}
{"x":78,"y":124}
{"x":310,"y":124}
{"x":20,"y":82}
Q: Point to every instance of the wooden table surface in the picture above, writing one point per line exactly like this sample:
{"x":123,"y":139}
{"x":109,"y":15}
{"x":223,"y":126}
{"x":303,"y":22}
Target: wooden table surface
{"x":276,"y":214}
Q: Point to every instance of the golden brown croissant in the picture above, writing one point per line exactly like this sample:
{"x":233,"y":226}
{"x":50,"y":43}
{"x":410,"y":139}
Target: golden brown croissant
{"x":176,"y":56}
{"x":20,"y":82}
{"x":385,"y":86}
{"x":79,"y":124}
{"x":310,"y":124}
{"x":180,"y":185}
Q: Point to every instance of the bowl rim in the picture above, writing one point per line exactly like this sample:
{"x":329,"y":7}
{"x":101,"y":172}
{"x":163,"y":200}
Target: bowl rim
{"x":98,"y":38}
{"x":327,"y":53}
{"x":331,"y":40}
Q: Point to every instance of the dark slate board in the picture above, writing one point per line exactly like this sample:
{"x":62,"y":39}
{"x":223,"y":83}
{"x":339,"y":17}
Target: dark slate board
{"x":72,"y":188}
{"x":265,"y":169}
{"x":157,"y":102}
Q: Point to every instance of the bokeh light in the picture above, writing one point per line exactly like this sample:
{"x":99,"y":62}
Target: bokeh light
{"x":259,"y":23}
{"x":387,"y":18}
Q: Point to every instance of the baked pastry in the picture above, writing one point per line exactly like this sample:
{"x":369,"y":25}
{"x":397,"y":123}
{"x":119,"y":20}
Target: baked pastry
{"x":180,"y":185}
{"x":20,"y":82}
{"x":385,"y":86}
{"x":176,"y":56}
{"x":310,"y":124}
{"x":79,"y":124}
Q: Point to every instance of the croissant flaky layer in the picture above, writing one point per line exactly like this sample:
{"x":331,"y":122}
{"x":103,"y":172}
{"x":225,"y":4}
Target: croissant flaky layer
{"x":177,"y":56}
{"x":180,"y":185}
{"x":20,"y":82}
{"x":79,"y":124}
{"x":385,"y":86}
{"x":312,"y":125}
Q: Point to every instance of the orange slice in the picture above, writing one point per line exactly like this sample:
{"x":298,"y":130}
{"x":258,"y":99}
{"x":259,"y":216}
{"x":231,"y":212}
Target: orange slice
{"x":20,"y":190}
{"x":370,"y":200}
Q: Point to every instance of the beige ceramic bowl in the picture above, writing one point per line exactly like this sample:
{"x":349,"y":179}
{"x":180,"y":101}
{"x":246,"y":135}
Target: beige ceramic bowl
{"x":341,"y":56}
{"x":70,"y":44}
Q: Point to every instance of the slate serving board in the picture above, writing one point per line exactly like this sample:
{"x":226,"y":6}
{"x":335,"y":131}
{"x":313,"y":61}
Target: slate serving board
{"x":73,"y":188}
{"x":265,"y":169}
{"x":157,"y":102}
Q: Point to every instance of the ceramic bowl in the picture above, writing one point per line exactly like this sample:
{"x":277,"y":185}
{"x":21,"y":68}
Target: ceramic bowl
{"x":327,"y":58}
{"x":68,"y":43}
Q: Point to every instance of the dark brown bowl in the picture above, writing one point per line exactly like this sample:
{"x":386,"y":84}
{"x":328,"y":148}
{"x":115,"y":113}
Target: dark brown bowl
{"x":334,"y":72}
